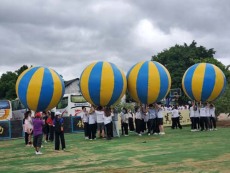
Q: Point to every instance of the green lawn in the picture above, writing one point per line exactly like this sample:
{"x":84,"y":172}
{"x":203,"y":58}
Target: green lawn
{"x":177,"y":151}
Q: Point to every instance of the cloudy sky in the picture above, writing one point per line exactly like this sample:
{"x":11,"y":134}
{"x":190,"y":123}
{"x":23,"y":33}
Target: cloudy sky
{"x":68,"y":35}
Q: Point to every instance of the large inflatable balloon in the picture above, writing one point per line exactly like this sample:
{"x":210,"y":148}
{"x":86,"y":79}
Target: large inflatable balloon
{"x":148,"y":82}
{"x":40,"y":88}
{"x":203,"y":82}
{"x":103,"y":83}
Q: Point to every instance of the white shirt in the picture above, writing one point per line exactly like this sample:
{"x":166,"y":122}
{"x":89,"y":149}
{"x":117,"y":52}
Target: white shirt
{"x":212,"y":112}
{"x":107,"y":120}
{"x":146,"y":117}
{"x":124,"y":118}
{"x":207,"y":112}
{"x":84,"y":117}
{"x":152,"y":113}
{"x":100,"y":115}
{"x":175,"y":113}
{"x":203,"y":112}
{"x":192,"y":112}
{"x":197,"y":113}
{"x":138,"y":115}
{"x":159,"y":113}
{"x":92,"y":118}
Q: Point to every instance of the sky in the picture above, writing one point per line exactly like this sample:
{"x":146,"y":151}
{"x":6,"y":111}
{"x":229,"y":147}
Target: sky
{"x":68,"y":35}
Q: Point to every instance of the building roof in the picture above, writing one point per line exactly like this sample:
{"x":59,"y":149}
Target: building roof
{"x":67,"y":83}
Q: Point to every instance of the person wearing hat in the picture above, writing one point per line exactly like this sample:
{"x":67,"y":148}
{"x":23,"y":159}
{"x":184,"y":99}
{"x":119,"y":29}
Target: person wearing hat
{"x":59,"y":131}
{"x":38,"y":134}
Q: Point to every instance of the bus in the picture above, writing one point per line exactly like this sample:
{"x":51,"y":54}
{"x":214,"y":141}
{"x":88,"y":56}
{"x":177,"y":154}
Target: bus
{"x":71,"y":104}
{"x":18,"y":109}
{"x":5,"y":110}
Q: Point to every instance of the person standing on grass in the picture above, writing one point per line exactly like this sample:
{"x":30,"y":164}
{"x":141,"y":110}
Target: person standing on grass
{"x":213,"y":117}
{"x":100,"y":122}
{"x":152,"y":120}
{"x":45,"y":128}
{"x":85,"y":119}
{"x":197,"y":116}
{"x":92,"y":124}
{"x":208,"y":115}
{"x":28,"y":128}
{"x":131,"y":125}
{"x":138,"y":118}
{"x":38,"y":134}
{"x":176,"y":115}
{"x":192,"y":116}
{"x":115,"y":122}
{"x":59,"y":131}
{"x":159,"y":113}
{"x":203,"y":118}
{"x":49,"y":121}
{"x":125,"y":121}
{"x":108,"y":122}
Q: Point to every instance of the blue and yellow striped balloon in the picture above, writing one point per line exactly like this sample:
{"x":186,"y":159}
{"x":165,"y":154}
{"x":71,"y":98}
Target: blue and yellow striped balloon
{"x":203,"y":82}
{"x":148,"y":82}
{"x":103,"y":83}
{"x":40,"y":88}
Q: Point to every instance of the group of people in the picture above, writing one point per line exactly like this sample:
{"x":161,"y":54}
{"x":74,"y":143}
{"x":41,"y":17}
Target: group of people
{"x":43,"y":124}
{"x":105,"y":121}
{"x":202,"y":117}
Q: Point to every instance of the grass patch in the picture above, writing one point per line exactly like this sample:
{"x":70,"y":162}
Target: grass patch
{"x":177,"y":151}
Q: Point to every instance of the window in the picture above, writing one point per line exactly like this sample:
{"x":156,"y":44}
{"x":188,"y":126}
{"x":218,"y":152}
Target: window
{"x":4,"y":104}
{"x":17,"y":105}
{"x":63,"y":103}
{"x":77,"y":99}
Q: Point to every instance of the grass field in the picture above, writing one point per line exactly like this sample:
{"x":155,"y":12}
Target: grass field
{"x":177,"y":151}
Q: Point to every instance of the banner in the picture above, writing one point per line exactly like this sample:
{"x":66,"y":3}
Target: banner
{"x":5,"y":130}
{"x":184,"y":117}
{"x":77,"y":124}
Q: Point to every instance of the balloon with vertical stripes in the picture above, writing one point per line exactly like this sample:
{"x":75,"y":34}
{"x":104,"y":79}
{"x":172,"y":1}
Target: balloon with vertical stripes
{"x":148,"y":82}
{"x":103,"y":83}
{"x":203,"y":82}
{"x":40,"y":88}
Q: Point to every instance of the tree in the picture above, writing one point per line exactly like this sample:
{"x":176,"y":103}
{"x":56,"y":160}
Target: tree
{"x":7,"y":83}
{"x":179,"y":58}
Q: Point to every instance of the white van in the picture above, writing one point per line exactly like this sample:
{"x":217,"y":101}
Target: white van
{"x":71,"y":104}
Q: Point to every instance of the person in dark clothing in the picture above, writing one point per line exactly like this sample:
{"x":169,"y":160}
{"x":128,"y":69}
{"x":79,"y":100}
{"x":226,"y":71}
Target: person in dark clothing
{"x":59,"y":131}
{"x":45,"y":127}
{"x":51,"y":127}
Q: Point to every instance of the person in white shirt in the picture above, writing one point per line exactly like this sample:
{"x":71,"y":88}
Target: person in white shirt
{"x":152,"y":120}
{"x":159,"y":118}
{"x":192,"y":116}
{"x":92,"y":124}
{"x":212,"y":117}
{"x":203,"y":117}
{"x":138,"y":120}
{"x":115,"y":122}
{"x":85,"y":119}
{"x":208,"y":115}
{"x":176,"y":117}
{"x":131,"y":125}
{"x":28,"y":128}
{"x":197,"y":117}
{"x":125,"y":121}
{"x":108,"y":123}
{"x":100,"y":122}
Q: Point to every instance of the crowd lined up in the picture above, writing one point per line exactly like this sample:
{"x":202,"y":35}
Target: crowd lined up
{"x":104,"y":123}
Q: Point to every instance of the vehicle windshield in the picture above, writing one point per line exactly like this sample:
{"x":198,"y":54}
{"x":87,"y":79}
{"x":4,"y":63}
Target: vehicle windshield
{"x":77,"y":99}
{"x":4,"y":104}
{"x":63,"y":103}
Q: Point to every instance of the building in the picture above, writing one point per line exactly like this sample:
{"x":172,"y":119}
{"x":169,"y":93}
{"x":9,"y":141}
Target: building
{"x":72,"y":86}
